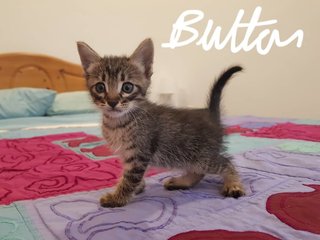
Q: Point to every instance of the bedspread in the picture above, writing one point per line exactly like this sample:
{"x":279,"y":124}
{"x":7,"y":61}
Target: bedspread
{"x":52,"y":175}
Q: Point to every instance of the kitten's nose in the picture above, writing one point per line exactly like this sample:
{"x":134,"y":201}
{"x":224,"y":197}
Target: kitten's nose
{"x":112,"y":103}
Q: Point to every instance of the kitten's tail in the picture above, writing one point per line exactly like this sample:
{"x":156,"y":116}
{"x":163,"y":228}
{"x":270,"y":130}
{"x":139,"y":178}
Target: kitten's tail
{"x":215,"y":96}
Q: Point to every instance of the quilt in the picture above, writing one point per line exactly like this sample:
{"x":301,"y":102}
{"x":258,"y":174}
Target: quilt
{"x":50,"y":185}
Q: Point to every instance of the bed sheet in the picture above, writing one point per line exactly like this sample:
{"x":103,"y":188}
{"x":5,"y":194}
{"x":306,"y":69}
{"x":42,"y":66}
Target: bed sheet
{"x":53,"y":170}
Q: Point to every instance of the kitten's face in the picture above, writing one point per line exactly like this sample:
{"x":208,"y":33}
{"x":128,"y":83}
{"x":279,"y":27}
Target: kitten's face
{"x":118,"y":84}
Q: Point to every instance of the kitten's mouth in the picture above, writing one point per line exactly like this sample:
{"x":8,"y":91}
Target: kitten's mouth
{"x":114,"y":110}
{"x":114,"y":113}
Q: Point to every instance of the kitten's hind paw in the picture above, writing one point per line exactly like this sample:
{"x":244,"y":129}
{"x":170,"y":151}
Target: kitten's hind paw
{"x":234,"y":191}
{"x":111,"y":201}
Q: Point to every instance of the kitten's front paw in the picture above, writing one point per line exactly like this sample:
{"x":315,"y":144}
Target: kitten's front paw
{"x":140,"y":188}
{"x":235,"y":191}
{"x":111,"y":201}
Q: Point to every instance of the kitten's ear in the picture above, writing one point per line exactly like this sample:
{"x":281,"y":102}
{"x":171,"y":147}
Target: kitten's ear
{"x":143,"y":57}
{"x":87,"y":55}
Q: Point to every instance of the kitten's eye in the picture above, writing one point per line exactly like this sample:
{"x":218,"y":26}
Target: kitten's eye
{"x":100,"y":87}
{"x":127,"y":87}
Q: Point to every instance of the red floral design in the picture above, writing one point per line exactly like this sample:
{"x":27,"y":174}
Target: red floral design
{"x":78,"y":142}
{"x":4,"y":193}
{"x":98,"y":151}
{"x":37,"y":167}
{"x":236,"y":129}
{"x":300,"y":210}
{"x":222,"y":235}
{"x":288,"y":131}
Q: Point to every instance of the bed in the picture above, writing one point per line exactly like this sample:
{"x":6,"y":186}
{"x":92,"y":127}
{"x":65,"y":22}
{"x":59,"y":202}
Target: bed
{"x":54,"y":168}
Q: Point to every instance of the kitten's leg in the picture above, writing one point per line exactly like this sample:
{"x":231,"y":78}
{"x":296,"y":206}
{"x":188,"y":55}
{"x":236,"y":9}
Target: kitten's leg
{"x":131,"y":179}
{"x":141,"y":187}
{"x":232,"y":186}
{"x":187,"y":180}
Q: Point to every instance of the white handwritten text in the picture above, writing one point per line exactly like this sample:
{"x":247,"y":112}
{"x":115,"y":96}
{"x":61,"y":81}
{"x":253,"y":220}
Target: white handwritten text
{"x":211,"y":39}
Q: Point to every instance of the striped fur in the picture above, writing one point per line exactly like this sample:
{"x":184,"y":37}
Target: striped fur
{"x":144,"y":133}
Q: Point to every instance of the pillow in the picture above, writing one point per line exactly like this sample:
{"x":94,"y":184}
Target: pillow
{"x":71,"y":103}
{"x":25,"y":102}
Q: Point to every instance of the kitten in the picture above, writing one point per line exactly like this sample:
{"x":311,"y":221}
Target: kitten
{"x":144,"y":133}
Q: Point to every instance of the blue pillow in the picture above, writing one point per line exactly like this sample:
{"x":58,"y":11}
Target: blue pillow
{"x":25,"y":102}
{"x":71,"y":103}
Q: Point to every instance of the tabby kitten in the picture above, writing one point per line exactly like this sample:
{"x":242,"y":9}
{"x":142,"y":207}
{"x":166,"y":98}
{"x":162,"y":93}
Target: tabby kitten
{"x":144,"y":133}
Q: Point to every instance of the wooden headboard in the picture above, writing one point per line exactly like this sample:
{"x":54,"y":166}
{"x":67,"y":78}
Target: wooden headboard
{"x":40,"y":71}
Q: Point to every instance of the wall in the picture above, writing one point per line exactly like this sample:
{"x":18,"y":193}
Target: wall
{"x":284,"y":83}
